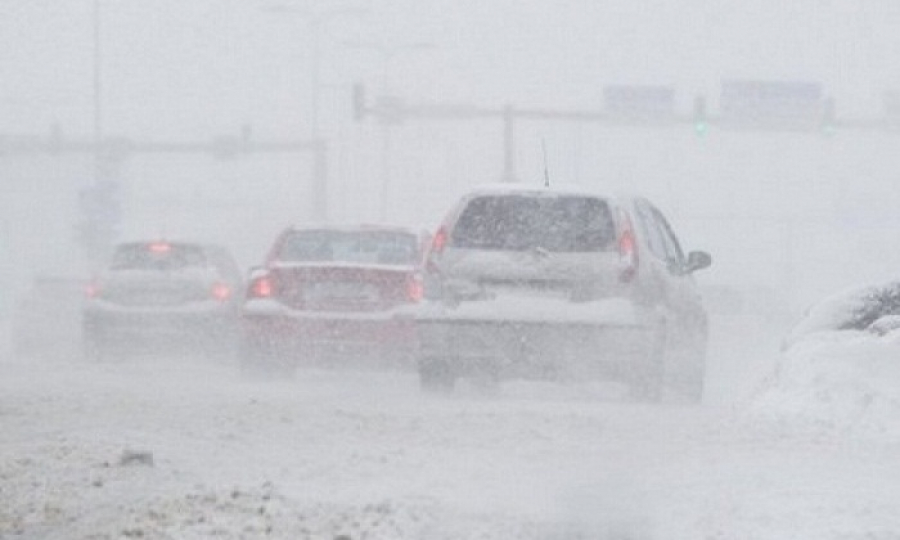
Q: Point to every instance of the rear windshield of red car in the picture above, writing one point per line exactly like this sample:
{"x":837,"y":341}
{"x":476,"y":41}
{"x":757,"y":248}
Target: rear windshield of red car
{"x":521,"y":222}
{"x":364,"y":247}
{"x":159,"y":256}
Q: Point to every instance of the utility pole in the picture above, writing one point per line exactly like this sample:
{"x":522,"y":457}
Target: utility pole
{"x":98,"y":115}
{"x":98,"y":229}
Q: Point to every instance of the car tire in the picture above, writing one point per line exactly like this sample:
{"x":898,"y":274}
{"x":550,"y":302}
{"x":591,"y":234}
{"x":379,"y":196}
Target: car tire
{"x":693,"y":388}
{"x":648,"y":381}
{"x":485,"y":376}
{"x":436,"y":374}
{"x":691,"y":370}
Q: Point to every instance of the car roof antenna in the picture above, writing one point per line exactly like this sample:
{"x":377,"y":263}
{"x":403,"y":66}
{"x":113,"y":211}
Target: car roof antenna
{"x":546,"y":167}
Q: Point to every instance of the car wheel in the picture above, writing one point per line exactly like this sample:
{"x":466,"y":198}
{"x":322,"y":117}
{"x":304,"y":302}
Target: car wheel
{"x":436,"y":374}
{"x":689,"y":371}
{"x":648,"y":379}
{"x":693,"y":388}
{"x":485,"y":376}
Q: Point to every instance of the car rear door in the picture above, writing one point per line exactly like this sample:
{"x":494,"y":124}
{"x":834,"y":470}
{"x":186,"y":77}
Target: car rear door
{"x":677,"y":288}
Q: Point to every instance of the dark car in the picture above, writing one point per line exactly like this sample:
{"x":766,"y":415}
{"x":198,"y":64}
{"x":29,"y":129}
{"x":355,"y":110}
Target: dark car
{"x":563,"y":284}
{"x":163,"y":295}
{"x":330,"y":295}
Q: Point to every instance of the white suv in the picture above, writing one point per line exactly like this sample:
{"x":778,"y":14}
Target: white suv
{"x":548,"y":283}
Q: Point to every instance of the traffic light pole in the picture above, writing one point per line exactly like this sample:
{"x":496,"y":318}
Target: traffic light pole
{"x":817,"y":117}
{"x":394,"y":110}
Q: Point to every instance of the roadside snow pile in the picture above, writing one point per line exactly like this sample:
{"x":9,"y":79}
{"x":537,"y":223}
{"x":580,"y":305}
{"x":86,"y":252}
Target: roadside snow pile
{"x":871,"y":308}
{"x":262,"y":512}
{"x":63,"y":493}
{"x":841,"y":366}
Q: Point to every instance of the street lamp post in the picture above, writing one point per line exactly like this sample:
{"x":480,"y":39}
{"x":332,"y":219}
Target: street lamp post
{"x":387,"y":52}
{"x":315,"y":20}
{"x":98,"y":115}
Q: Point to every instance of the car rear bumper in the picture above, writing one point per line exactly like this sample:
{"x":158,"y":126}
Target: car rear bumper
{"x":127,"y":326}
{"x":538,"y":350}
{"x":533,"y":344}
{"x":331,"y":337}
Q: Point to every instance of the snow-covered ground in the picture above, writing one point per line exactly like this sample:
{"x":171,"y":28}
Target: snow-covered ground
{"x":183,"y":448}
{"x":843,"y":381}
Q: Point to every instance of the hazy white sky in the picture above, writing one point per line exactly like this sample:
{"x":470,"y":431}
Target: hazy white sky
{"x":174,"y":66}
{"x":195,"y":69}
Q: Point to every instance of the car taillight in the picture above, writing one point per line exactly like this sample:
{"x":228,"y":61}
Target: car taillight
{"x":628,"y":252}
{"x":439,"y":241}
{"x":221,"y":291}
{"x":92,"y":290}
{"x":415,"y":291}
{"x":261,"y":287}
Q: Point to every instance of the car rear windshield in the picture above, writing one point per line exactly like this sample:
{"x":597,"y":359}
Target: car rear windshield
{"x":158,"y":256}
{"x":520,"y":222}
{"x":368,"y":247}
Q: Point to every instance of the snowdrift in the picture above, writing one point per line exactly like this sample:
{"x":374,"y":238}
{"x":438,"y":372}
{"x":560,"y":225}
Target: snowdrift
{"x":840,"y":367}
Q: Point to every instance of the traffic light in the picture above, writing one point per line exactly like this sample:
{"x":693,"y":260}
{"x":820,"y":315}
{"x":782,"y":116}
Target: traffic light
{"x":359,"y":102}
{"x":701,"y":122}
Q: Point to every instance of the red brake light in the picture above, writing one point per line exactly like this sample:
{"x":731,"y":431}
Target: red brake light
{"x":415,"y":291}
{"x":160,"y":247}
{"x":439,"y":241}
{"x":626,"y":245}
{"x":221,"y":291}
{"x":261,"y":287}
{"x":92,"y":290}
{"x":628,"y":253}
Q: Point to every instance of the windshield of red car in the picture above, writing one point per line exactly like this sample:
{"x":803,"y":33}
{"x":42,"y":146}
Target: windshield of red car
{"x":375,"y":247}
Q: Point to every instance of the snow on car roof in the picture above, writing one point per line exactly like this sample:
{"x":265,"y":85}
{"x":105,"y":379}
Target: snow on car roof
{"x":555,"y":189}
{"x":355,"y":227}
{"x":352,"y":265}
{"x":170,"y":241}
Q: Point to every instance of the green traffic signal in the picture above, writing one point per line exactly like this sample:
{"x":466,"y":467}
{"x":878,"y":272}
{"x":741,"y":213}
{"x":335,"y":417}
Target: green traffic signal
{"x":701,"y":126}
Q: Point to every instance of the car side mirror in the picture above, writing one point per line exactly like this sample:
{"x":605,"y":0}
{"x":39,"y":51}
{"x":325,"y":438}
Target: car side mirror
{"x":697,"y":260}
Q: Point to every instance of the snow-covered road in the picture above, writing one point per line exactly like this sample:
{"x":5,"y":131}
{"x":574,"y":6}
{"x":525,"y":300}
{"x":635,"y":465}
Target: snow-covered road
{"x":368,"y":456}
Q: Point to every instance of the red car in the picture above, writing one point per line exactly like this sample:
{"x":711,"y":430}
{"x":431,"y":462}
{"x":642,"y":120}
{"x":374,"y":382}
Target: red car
{"x":327,"y":295}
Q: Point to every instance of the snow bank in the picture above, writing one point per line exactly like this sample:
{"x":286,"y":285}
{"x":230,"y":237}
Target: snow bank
{"x":840,"y":368}
{"x":858,"y":308}
{"x":70,"y":497}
